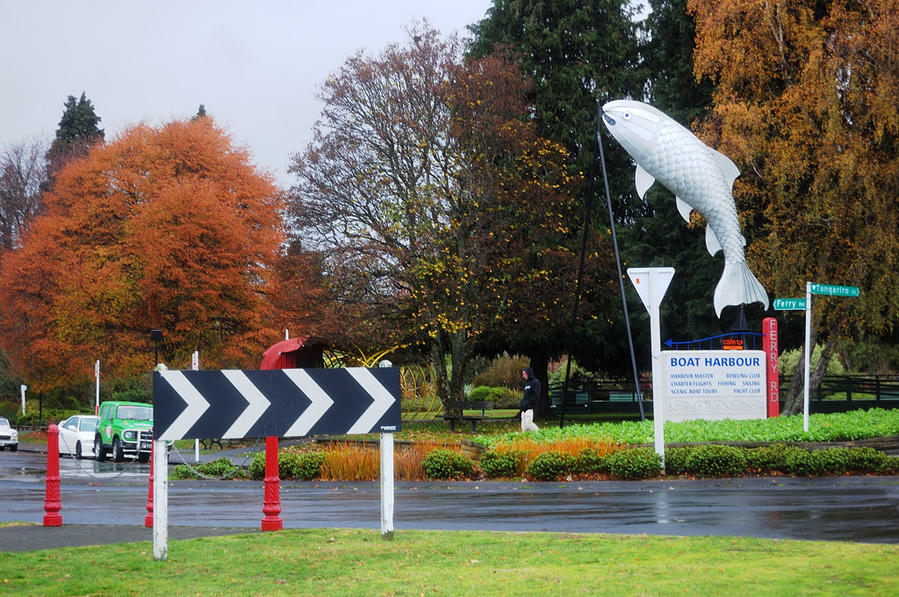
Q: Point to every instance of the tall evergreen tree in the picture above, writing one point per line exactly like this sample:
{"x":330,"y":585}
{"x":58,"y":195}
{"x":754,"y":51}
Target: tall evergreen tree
{"x":77,"y":132}
{"x":578,"y":53}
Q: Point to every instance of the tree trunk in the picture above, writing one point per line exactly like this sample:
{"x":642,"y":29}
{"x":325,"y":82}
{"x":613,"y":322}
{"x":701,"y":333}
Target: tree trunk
{"x":438,"y":362}
{"x":450,"y":385}
{"x":793,"y":403}
{"x":818,"y":373}
{"x":540,"y":363}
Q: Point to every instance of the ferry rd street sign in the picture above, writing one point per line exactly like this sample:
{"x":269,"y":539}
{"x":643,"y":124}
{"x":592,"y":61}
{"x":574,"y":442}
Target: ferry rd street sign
{"x":833,"y":290}
{"x":234,"y":404}
{"x":789,"y":304}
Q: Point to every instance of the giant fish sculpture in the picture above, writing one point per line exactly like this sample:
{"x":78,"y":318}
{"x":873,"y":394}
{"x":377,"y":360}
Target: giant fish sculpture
{"x":701,"y":179}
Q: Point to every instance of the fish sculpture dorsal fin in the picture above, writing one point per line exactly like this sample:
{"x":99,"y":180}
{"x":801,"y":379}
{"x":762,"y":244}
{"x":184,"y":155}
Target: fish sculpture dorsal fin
{"x":728,"y":169}
{"x":643,"y":180}
{"x":711,"y":241}
{"x":684,"y":209}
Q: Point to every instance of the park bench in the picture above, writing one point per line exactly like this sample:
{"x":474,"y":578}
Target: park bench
{"x":577,"y":401}
{"x":455,"y":413}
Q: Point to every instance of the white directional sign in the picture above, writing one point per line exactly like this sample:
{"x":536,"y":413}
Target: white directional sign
{"x":834,"y":290}
{"x":789,"y":304}
{"x":235,"y":404}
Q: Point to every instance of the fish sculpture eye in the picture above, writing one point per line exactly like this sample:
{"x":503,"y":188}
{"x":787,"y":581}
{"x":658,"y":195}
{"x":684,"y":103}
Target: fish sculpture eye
{"x":626,"y":115}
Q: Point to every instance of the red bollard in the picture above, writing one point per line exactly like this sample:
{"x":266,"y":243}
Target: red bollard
{"x":52,"y":504}
{"x":271,"y":504}
{"x":148,"y":519}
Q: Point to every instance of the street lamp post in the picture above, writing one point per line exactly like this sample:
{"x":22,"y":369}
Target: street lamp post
{"x":156,"y":337}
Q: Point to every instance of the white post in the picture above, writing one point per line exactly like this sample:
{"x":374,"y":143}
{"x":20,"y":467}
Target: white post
{"x":97,"y":393}
{"x":160,"y":500}
{"x":387,"y":486}
{"x":808,"y":350}
{"x":22,"y":388}
{"x":195,"y":365}
{"x":651,"y":284}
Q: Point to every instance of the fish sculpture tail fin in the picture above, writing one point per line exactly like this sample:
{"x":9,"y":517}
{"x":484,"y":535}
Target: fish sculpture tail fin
{"x":738,"y":286}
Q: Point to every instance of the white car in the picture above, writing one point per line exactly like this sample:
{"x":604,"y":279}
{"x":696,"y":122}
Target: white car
{"x":76,"y":435}
{"x":9,"y":437}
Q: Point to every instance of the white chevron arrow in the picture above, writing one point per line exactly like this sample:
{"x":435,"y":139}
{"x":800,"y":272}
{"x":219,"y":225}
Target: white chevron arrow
{"x":321,"y":402}
{"x":383,"y":399}
{"x":257,"y":404}
{"x":196,"y":405}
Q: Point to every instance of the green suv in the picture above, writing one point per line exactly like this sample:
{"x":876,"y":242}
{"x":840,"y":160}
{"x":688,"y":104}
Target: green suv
{"x":122,"y":425}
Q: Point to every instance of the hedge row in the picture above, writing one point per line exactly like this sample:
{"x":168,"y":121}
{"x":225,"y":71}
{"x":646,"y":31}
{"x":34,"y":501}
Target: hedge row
{"x":706,"y":461}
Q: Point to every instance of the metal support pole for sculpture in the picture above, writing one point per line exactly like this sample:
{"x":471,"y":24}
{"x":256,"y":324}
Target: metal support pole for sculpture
{"x":271,"y":504}
{"x":627,"y":319}
{"x":52,"y":503}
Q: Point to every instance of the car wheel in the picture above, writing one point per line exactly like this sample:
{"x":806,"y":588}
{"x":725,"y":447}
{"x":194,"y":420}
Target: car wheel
{"x":78,"y":451}
{"x":118,"y":454}
{"x":14,"y":447}
{"x":98,"y":449}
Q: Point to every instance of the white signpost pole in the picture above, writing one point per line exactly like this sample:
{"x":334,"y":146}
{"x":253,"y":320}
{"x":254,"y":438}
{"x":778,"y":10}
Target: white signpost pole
{"x":22,"y":389}
{"x":160,"y":500}
{"x":651,"y":284}
{"x":387,"y":486}
{"x":195,"y":365}
{"x":97,"y":394}
{"x":807,"y":355}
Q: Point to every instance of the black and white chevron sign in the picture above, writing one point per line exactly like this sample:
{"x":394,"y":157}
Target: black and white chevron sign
{"x":232,"y":404}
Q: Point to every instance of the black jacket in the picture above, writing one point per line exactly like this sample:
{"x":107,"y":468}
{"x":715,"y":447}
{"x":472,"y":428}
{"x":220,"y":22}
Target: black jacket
{"x":531,"y":397}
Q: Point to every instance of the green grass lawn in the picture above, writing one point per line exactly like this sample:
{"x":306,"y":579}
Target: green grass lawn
{"x":360,"y":562}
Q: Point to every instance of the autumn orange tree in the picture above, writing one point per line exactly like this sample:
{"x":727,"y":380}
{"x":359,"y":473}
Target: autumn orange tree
{"x":170,"y":228}
{"x":807,"y":104}
{"x":442,"y":213}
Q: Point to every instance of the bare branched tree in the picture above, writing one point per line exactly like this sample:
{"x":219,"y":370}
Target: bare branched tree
{"x":23,"y":169}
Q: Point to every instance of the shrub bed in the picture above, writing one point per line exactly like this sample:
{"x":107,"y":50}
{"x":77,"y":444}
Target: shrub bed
{"x":714,"y":461}
{"x":635,"y":463}
{"x":217,"y":469}
{"x":551,"y":466}
{"x":447,"y":464}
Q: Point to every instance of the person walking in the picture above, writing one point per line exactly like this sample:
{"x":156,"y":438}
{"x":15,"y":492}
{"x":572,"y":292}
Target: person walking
{"x":530,"y":400}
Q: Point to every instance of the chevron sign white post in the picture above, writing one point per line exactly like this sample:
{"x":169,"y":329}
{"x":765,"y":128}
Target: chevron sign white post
{"x":236,"y":404}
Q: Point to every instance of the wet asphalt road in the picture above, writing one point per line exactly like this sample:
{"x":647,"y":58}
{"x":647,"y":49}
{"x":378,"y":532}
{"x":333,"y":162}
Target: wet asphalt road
{"x":861,"y":509}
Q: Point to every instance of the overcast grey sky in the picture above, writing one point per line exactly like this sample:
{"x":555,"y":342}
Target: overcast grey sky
{"x":255,"y":65}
